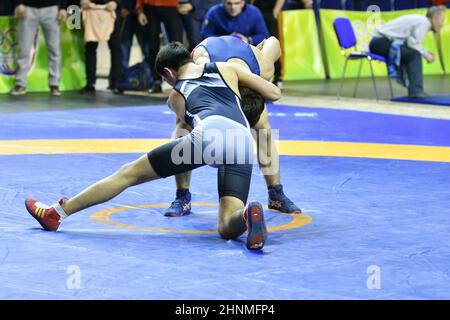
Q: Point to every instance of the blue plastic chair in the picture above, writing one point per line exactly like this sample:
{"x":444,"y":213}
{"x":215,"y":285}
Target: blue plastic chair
{"x":331,"y":4}
{"x":405,"y":4}
{"x":347,"y":39}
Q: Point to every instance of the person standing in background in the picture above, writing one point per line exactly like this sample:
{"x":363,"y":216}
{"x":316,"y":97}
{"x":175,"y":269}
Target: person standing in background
{"x":185,"y":10}
{"x":271,"y":10}
{"x":299,"y":4}
{"x":47,"y":14}
{"x":129,"y":28}
{"x":208,"y":4}
{"x":440,"y":2}
{"x":114,"y":47}
{"x":6,"y":8}
{"x":192,"y":14}
{"x":150,"y":14}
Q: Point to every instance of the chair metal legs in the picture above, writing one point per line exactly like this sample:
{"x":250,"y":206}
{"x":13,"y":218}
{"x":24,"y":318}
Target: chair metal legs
{"x":373,"y":78}
{"x":342,"y":78}
{"x":390,"y":87}
{"x":369,"y":59}
{"x":357,"y":79}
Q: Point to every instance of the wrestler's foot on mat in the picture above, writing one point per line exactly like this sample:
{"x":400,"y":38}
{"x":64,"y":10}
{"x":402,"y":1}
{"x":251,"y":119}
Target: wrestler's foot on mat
{"x":47,"y":216}
{"x":256,"y":226}
{"x":280,"y":202}
{"x":181,"y":206}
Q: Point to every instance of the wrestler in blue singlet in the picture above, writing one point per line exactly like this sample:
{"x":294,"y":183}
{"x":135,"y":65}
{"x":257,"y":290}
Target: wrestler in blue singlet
{"x":221,"y":49}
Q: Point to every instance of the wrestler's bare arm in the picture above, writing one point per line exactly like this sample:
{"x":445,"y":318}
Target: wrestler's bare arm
{"x":177,"y":104}
{"x":235,"y":75}
{"x":267,"y":53}
{"x":200,"y":55}
{"x":270,"y":48}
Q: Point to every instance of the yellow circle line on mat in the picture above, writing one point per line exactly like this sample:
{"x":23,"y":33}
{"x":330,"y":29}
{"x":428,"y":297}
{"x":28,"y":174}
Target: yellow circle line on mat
{"x":285,"y":147}
{"x":104,"y":217}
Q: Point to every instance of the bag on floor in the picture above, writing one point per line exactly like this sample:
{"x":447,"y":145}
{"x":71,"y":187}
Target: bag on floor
{"x":137,"y":77}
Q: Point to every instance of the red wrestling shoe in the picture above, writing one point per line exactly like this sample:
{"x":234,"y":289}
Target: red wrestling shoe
{"x":256,"y":226}
{"x":47,"y":216}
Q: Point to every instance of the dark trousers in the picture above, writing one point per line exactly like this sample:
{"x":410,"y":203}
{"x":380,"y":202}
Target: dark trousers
{"x":192,"y":28}
{"x":116,"y":58}
{"x":169,"y":17}
{"x":272,"y":26}
{"x":6,"y":8}
{"x":360,"y":5}
{"x":410,"y":59}
{"x":129,"y":29}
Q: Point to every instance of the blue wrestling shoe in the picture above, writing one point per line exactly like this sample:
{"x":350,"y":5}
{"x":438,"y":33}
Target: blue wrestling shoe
{"x":181,"y":206}
{"x":280,"y":202}
{"x":256,"y":226}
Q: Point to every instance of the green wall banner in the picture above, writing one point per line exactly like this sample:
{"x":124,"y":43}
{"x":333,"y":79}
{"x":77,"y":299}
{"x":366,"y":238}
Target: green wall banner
{"x":72,"y":65}
{"x":301,"y":49}
{"x":445,"y":42}
{"x":364,"y":25}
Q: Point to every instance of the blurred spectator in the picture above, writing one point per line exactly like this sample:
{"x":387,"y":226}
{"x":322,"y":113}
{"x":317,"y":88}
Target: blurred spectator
{"x":6,"y":8}
{"x":208,"y":4}
{"x":439,"y":2}
{"x":400,"y":41}
{"x":128,"y":29}
{"x":47,"y":14}
{"x":114,"y":47}
{"x":197,"y":15}
{"x":360,"y":5}
{"x":191,"y":20}
{"x":235,"y":17}
{"x":150,"y":14}
{"x":270,"y":10}
{"x":299,"y":4}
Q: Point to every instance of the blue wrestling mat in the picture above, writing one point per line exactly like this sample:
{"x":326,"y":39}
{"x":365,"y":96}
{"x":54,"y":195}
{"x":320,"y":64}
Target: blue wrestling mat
{"x":374,"y":189}
{"x":441,"y":100}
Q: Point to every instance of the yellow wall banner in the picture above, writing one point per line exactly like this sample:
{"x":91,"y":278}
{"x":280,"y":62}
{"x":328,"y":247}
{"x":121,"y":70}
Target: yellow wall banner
{"x":302,"y":55}
{"x":445,"y":42}
{"x":364,"y":25}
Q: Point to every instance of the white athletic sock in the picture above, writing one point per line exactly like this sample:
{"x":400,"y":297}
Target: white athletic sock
{"x":60,"y":211}
{"x":243,"y":213}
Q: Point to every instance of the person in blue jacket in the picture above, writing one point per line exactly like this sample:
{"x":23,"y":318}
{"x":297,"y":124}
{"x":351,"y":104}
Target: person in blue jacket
{"x":237,"y":18}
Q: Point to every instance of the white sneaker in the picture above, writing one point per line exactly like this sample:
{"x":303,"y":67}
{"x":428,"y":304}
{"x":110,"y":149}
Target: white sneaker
{"x":18,"y":91}
{"x":279,"y":84}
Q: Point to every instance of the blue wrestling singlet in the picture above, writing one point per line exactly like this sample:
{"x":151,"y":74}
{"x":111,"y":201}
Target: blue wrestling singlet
{"x":224,"y":48}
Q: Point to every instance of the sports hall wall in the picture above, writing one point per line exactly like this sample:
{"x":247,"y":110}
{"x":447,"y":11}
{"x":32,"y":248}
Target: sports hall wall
{"x":72,"y":65}
{"x":305,"y":57}
{"x":310,"y":48}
